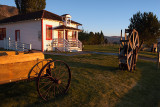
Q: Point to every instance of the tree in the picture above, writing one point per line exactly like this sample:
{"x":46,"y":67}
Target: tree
{"x":26,"y":6}
{"x":102,"y":37}
{"x":106,"y":41}
{"x":91,"y":38}
{"x":147,"y":25}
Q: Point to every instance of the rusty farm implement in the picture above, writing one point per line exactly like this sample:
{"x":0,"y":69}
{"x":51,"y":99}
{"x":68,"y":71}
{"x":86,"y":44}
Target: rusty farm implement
{"x":52,"y":77}
{"x":128,"y":51}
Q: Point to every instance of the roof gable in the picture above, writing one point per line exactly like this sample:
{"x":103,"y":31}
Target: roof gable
{"x":34,"y":15}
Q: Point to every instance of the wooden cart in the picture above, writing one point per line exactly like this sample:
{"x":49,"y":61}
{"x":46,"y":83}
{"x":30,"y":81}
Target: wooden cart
{"x":52,"y":77}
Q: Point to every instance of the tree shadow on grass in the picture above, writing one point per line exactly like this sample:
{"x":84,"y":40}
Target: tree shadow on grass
{"x":93,"y":66}
{"x":146,"y":93}
{"x":23,"y":92}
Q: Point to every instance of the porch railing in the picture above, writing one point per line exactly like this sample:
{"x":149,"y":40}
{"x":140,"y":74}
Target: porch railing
{"x":15,"y":45}
{"x":66,"y":44}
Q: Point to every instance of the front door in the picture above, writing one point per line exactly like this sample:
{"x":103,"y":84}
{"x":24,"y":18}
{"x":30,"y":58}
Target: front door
{"x":60,"y":38}
{"x":17,"y":35}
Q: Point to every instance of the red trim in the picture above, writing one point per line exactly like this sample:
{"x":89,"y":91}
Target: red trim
{"x":42,"y":33}
{"x":16,"y":34}
{"x":66,"y":35}
{"x":47,"y":32}
{"x":3,"y":33}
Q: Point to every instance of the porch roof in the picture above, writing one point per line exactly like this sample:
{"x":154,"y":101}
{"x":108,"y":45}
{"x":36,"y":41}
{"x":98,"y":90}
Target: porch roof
{"x":63,"y":27}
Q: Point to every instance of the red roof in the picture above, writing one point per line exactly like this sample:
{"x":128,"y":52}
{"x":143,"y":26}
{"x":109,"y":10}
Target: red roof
{"x":34,"y":15}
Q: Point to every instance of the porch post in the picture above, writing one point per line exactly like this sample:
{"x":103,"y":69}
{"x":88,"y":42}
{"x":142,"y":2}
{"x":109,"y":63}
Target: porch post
{"x":77,"y":38}
{"x":64,"y":39}
{"x":77,"y":35}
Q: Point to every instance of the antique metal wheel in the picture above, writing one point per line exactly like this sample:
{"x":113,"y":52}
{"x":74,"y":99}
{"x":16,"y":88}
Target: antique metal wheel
{"x":37,"y":67}
{"x":54,"y":79}
{"x":132,"y":50}
{"x":129,"y":58}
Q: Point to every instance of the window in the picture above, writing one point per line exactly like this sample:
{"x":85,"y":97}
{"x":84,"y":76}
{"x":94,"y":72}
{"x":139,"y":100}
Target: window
{"x":48,"y":32}
{"x":17,"y":35}
{"x":2,"y":33}
{"x":74,"y":34}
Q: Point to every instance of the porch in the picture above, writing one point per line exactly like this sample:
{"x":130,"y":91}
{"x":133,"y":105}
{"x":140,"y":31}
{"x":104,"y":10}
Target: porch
{"x":66,"y":39}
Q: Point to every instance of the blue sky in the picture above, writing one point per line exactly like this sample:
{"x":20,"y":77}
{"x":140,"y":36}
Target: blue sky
{"x":110,"y":16}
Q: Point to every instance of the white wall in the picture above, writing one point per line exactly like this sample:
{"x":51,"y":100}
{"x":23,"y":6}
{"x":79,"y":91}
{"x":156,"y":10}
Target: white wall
{"x":29,"y":31}
{"x":73,"y":25}
{"x":54,"y":24}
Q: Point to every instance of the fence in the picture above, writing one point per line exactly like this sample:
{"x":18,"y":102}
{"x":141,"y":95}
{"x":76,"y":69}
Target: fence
{"x":15,"y":45}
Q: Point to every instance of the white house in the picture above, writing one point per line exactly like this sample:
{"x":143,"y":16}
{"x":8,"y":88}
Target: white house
{"x":46,"y":31}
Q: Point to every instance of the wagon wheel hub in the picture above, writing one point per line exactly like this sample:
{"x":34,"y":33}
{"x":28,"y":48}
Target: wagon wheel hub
{"x":57,"y":81}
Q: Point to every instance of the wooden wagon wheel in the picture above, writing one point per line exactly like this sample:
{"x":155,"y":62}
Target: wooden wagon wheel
{"x":132,"y":50}
{"x":54,"y":79}
{"x":37,"y":67}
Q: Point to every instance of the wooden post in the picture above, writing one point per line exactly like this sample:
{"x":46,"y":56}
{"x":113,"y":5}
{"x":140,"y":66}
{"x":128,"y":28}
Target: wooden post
{"x":9,"y":43}
{"x":16,"y":45}
{"x":30,"y":46}
{"x":64,"y":40}
{"x":125,"y":35}
{"x":121,"y":34}
{"x":158,"y":62}
{"x":23,"y":46}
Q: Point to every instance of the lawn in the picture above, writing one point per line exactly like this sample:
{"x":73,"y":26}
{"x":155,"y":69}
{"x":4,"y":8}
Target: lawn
{"x":114,"y":48}
{"x":96,"y":81}
{"x":148,"y":54}
{"x":111,"y":48}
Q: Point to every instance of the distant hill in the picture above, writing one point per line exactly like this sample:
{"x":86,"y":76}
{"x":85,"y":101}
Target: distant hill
{"x":113,"y":39}
{"x":7,"y":11}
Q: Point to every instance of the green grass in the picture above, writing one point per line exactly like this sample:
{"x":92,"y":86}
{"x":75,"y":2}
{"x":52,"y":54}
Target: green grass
{"x":148,"y":54}
{"x":111,"y":48}
{"x":114,"y":48}
{"x":96,"y":81}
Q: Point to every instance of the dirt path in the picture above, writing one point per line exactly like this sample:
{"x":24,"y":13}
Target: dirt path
{"x":93,"y":52}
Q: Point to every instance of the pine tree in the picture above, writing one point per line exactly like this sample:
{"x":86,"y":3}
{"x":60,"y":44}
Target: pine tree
{"x":26,"y":6}
{"x":147,"y":25}
{"x":102,"y":37}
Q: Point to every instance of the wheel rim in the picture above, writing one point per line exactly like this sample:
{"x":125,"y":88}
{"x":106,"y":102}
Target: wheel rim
{"x":53,"y":80}
{"x":36,"y":68}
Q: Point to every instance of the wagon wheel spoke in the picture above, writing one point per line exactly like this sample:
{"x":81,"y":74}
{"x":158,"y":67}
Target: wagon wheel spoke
{"x":36,"y":68}
{"x":130,"y":53}
{"x":48,"y":90}
{"x":135,"y":40}
{"x":130,"y":43}
{"x":56,"y":85}
{"x":36,"y":72}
